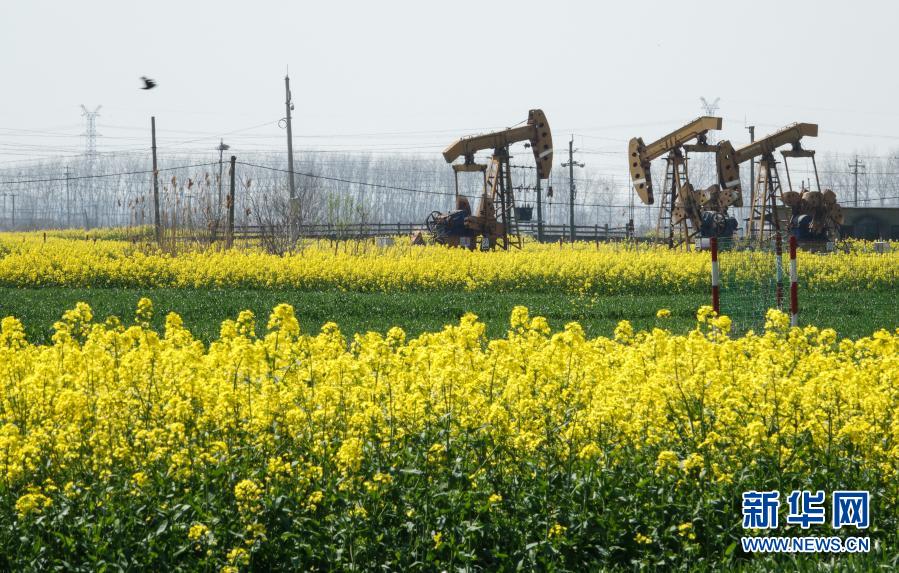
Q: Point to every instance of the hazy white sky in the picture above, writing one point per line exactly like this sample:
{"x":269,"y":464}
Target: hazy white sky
{"x":404,"y":77}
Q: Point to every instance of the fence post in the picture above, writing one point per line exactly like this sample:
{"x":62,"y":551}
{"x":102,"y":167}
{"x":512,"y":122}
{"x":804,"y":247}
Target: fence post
{"x":794,"y":284}
{"x":779,"y":268}
{"x":716,"y":303}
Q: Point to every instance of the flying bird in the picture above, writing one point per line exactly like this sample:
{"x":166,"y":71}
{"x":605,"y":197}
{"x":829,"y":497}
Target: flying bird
{"x":148,"y":83}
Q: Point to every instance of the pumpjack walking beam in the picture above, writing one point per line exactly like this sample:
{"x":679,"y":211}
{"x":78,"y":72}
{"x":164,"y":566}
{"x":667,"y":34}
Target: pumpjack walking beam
{"x":641,"y":155}
{"x":536,"y":131}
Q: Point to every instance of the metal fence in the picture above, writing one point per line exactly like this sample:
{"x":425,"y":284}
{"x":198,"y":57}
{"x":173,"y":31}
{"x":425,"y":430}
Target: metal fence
{"x":549,"y":233}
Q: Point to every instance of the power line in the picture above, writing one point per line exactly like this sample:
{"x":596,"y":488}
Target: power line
{"x":349,"y":181}
{"x":385,"y":186}
{"x":49,"y":180}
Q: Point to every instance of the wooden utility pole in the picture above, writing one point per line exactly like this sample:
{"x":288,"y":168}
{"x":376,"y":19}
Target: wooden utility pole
{"x":292,"y":206}
{"x":288,"y":105}
{"x":230,"y":240}
{"x":156,"y":222}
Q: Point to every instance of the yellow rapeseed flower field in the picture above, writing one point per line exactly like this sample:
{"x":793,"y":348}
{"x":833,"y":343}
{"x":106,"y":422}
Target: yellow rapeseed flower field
{"x":272,"y":444}
{"x":29,"y":260}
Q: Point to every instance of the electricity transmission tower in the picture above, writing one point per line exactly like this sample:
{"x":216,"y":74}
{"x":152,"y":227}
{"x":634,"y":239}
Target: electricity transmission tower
{"x":90,"y":133}
{"x":703,"y":164}
{"x":90,"y":152}
{"x":710,"y":108}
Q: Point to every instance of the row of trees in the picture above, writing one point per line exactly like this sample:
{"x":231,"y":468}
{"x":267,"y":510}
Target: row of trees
{"x":334,"y":188}
{"x":116,"y":190}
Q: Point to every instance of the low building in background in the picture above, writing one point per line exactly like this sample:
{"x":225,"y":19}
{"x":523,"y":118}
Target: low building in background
{"x":870,"y":223}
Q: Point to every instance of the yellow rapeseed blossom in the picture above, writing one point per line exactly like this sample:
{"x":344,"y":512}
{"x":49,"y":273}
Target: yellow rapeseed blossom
{"x":693,"y":463}
{"x":144,"y":312}
{"x":139,"y":479}
{"x":314,"y":499}
{"x":32,"y":503}
{"x":349,"y":456}
{"x":578,"y":269}
{"x":197,"y":532}
{"x":667,"y":462}
{"x":238,"y":556}
{"x":359,"y":511}
{"x":436,"y":452}
{"x":284,"y":410}
{"x":247,"y":493}
{"x":557,"y":530}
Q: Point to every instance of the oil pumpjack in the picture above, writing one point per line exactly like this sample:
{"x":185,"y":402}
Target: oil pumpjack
{"x":814,"y":217}
{"x":494,"y":223}
{"x":685,"y":212}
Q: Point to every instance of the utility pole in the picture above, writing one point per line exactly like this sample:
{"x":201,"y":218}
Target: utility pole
{"x":631,"y":228}
{"x":855,"y":166}
{"x":293,"y":208}
{"x":288,"y":108}
{"x":571,"y":164}
{"x":156,"y":223}
{"x":539,"y":210}
{"x":751,"y":129}
{"x":13,"y":195}
{"x":68,"y":201}
{"x":230,"y":239}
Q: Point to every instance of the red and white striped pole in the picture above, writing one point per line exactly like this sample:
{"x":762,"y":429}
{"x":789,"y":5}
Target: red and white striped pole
{"x":794,"y":285}
{"x":779,"y":268}
{"x":715,"y":295}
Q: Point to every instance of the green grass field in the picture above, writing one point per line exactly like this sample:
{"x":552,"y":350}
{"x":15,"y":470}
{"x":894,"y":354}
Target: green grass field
{"x":850,"y":314}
